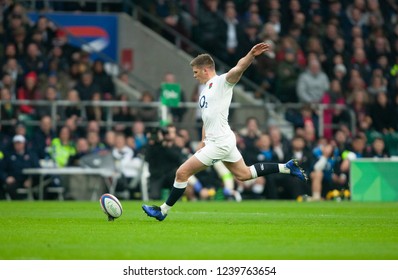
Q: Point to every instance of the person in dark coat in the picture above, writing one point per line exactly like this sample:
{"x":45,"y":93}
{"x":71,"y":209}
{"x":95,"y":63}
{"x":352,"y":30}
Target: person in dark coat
{"x":104,"y":80}
{"x":12,"y":166}
{"x":42,"y":137}
{"x":163,"y":157}
{"x":382,"y":113}
{"x":86,"y":87}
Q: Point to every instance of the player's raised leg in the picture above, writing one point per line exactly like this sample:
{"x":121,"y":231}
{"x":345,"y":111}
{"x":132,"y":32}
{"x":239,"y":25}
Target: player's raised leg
{"x":242,"y":172}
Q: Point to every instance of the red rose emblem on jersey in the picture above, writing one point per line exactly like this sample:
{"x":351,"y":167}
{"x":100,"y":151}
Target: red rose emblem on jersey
{"x":211,"y":84}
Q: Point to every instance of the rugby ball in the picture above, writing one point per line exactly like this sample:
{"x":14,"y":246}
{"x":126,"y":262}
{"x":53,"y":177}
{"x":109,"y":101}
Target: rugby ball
{"x":111,"y":206}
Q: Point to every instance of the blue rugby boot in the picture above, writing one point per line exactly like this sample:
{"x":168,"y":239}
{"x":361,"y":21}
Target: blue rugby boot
{"x":154,"y":212}
{"x":296,"y":170}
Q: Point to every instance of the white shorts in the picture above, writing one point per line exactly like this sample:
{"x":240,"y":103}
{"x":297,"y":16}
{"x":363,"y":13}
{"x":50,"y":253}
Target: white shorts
{"x":214,"y":151}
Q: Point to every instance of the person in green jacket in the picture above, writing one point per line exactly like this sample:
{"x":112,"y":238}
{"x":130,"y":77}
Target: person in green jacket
{"x":62,"y":147}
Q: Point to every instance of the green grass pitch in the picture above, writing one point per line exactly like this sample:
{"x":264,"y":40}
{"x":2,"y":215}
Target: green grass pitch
{"x":202,"y":230}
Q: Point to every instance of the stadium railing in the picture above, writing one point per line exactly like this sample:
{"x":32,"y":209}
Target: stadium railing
{"x":109,"y":122}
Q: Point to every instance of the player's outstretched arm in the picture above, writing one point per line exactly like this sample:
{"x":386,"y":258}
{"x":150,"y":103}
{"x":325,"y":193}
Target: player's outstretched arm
{"x":234,"y":75}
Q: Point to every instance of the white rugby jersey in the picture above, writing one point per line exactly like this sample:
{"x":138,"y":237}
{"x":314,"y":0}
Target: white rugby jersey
{"x":214,"y":102}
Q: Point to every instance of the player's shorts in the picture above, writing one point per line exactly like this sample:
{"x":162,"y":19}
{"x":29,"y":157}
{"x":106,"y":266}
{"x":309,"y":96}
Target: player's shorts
{"x":223,"y":149}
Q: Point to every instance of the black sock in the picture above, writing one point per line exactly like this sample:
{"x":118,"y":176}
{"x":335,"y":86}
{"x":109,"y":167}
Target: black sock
{"x":175,"y":195}
{"x":263,"y":168}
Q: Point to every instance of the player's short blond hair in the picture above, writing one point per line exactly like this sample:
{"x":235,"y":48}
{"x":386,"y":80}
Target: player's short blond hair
{"x":203,"y":60}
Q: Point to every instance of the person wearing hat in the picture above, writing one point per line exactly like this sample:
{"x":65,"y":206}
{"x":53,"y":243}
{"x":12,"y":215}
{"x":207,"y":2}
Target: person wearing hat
{"x":12,"y":165}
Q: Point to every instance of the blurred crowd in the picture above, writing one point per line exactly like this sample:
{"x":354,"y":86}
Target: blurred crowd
{"x":323,"y":52}
{"x":37,"y":63}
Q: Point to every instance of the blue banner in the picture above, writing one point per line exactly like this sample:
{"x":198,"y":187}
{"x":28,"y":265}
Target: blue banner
{"x":93,"y":33}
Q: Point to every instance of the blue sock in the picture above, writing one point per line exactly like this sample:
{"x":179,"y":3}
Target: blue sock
{"x":227,"y":192}
{"x":197,"y":186}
